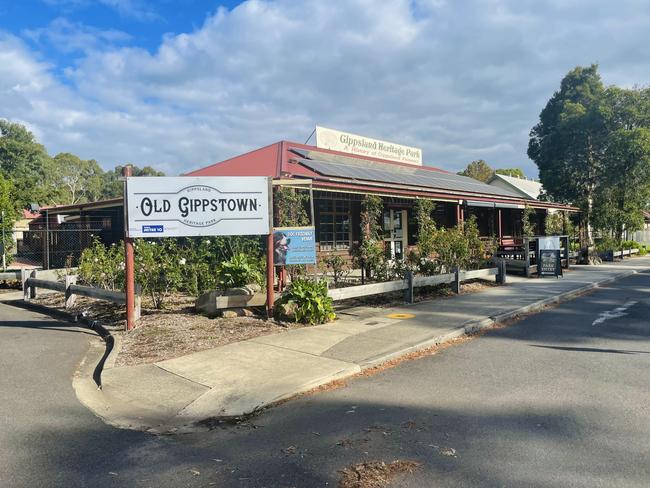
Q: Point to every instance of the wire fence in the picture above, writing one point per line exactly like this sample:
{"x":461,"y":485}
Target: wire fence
{"x":58,"y":248}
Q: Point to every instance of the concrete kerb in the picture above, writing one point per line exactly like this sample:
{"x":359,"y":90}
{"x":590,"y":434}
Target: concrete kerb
{"x":474,"y":326}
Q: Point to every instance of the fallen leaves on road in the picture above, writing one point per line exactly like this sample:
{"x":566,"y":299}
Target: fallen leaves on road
{"x":374,"y":474}
{"x":447,"y":451}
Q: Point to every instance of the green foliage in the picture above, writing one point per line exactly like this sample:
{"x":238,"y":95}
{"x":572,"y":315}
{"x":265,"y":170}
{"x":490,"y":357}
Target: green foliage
{"x":607,"y":243}
{"x":592,"y":149}
{"x":75,"y":180}
{"x":426,"y":227}
{"x":7,"y":217}
{"x":624,"y":191}
{"x":309,"y":301}
{"x":158,"y":268}
{"x":336,"y":266}
{"x":64,"y":179}
{"x":479,"y":170}
{"x":475,"y":246}
{"x":527,"y":225}
{"x":186,"y":265}
{"x":371,"y":250}
{"x":25,"y":163}
{"x":292,"y":207}
{"x":102,"y":266}
{"x":555,"y":223}
{"x":241,"y":270}
{"x":514,"y":172}
{"x":113,"y":187}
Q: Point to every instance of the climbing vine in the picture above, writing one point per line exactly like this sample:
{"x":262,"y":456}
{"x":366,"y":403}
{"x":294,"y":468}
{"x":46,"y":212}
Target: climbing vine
{"x":291,"y":205}
{"x":371,"y":250}
{"x":527,"y":225}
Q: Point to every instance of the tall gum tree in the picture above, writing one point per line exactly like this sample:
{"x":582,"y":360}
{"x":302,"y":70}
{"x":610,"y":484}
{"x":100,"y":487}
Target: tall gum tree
{"x":568,"y":144}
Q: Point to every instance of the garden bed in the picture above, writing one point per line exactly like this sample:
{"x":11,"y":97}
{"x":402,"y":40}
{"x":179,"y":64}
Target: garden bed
{"x":165,"y":334}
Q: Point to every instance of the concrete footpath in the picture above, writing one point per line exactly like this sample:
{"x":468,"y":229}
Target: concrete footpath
{"x":237,"y":379}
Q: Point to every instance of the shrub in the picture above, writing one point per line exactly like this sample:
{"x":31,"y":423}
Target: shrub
{"x":158,"y":268}
{"x":335,"y":265}
{"x":309,"y":302}
{"x":241,"y":270}
{"x":102,"y":266}
{"x":608,"y":243}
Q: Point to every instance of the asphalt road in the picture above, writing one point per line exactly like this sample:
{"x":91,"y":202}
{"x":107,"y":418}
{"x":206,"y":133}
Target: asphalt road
{"x":559,"y":399}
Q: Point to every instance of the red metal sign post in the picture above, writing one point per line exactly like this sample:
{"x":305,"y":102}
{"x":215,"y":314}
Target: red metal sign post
{"x":129,"y":260}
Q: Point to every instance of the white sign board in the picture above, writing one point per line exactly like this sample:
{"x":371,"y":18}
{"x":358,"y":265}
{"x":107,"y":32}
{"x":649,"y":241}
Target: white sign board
{"x":160,"y":206}
{"x":549,"y":243}
{"x":364,"y":146}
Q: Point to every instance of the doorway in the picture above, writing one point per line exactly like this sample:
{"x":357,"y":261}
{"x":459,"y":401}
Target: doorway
{"x":395,"y":232}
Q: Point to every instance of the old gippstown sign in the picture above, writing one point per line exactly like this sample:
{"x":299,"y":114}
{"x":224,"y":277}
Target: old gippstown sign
{"x":364,"y":146}
{"x":203,"y":206}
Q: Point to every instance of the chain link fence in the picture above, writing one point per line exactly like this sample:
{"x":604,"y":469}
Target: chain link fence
{"x":57,"y":248}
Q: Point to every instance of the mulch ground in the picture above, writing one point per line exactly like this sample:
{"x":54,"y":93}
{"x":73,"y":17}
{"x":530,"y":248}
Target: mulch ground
{"x":178,"y":330}
{"x":169,"y":333}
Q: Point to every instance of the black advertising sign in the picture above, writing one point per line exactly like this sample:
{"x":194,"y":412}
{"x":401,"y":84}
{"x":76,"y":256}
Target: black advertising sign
{"x":549,"y":262}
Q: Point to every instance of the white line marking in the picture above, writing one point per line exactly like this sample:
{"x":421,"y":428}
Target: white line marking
{"x":614,"y":314}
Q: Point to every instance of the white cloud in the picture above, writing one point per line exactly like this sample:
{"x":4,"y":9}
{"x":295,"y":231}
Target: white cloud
{"x":463,"y":80}
{"x":67,"y":36}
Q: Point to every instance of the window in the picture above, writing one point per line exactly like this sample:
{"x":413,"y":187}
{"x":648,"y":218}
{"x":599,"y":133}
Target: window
{"x":334,"y":225}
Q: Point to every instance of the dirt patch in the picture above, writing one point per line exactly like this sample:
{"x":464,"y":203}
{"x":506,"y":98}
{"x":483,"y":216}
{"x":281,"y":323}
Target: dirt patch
{"x":375,"y":474}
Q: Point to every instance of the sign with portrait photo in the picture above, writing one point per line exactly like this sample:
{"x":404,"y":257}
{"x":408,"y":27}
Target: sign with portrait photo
{"x":294,"y":245}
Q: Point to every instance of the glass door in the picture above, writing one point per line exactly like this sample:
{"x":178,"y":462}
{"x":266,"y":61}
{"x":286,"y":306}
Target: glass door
{"x":395,"y":225}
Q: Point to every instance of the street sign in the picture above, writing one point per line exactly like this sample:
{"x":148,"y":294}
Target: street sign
{"x":197,"y":206}
{"x":294,"y":245}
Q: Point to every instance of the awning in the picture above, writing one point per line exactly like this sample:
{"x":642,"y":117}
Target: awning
{"x":476,"y":203}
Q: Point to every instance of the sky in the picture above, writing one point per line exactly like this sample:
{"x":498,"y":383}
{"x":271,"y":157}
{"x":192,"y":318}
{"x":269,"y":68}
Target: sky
{"x":180,"y":84}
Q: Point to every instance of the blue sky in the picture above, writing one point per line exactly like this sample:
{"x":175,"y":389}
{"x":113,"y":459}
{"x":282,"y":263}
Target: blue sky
{"x":181,"y":84}
{"x":143,"y":23}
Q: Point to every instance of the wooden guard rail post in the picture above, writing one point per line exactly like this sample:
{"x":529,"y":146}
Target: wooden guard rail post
{"x":71,"y":290}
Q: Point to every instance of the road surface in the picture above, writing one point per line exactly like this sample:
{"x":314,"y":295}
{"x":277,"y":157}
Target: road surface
{"x":561,"y":398}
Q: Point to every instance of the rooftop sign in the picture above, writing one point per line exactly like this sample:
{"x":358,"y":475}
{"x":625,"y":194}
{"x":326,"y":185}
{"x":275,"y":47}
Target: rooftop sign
{"x":364,"y":146}
{"x":160,"y":206}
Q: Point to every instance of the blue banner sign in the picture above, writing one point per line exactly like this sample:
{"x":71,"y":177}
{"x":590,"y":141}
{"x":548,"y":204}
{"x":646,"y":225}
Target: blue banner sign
{"x":294,"y":245}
